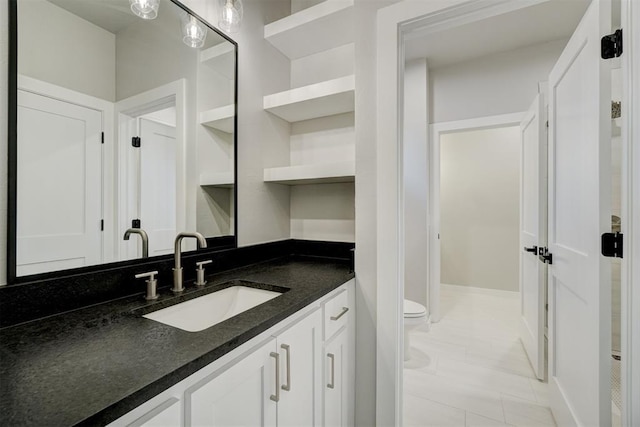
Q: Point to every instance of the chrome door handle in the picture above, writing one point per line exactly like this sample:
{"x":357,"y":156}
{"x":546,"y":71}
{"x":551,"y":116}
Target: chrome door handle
{"x":276,"y":397}
{"x":285,"y":347}
{"x":342,"y":313}
{"x":333,"y":370}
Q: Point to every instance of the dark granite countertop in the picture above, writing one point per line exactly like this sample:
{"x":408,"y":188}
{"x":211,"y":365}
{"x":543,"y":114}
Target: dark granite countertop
{"x":91,"y":366}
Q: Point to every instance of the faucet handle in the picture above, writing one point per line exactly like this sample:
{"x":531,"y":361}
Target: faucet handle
{"x":152,"y":284}
{"x":200,"y":272}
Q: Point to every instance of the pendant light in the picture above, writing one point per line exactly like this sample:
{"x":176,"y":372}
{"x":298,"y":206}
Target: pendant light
{"x":145,"y":9}
{"x":230,"y":15}
{"x":193,"y":32}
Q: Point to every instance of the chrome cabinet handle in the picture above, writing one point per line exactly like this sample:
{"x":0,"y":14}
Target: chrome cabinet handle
{"x":287,"y":387}
{"x":332,"y":384}
{"x":342,"y":313}
{"x":276,"y":397}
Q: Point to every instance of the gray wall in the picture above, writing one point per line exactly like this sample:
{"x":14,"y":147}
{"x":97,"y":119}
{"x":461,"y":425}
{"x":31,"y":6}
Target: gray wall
{"x":480,"y":208}
{"x":495,"y":84}
{"x":55,"y":39}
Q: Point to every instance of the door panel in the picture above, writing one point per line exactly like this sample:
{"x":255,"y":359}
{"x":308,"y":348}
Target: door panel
{"x":579,"y":212}
{"x":239,"y":396}
{"x":533,"y":205}
{"x":59,"y":205}
{"x":300,"y":369}
{"x":158,"y":185}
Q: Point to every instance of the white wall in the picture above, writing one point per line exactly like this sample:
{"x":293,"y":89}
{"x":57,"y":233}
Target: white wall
{"x":496,"y":84}
{"x":480,"y":208}
{"x":416,"y":189}
{"x":263,"y":139}
{"x":56,"y":39}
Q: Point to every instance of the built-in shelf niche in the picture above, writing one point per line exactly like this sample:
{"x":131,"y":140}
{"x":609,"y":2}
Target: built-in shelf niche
{"x":318,"y":28}
{"x":323,"y":173}
{"x":322,"y":99}
{"x":221,"y":58}
{"x":221,"y":118}
{"x":217,"y":179}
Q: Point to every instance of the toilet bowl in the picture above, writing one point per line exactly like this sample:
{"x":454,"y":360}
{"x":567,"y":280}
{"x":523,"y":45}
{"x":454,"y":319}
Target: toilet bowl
{"x":414,"y":315}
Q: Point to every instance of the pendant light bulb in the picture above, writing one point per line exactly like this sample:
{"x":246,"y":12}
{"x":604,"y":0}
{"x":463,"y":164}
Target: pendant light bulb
{"x":145,"y":9}
{"x":230,"y":15}
{"x":194,"y":32}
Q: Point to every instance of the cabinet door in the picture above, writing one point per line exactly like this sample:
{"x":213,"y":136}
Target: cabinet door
{"x":337,"y":383}
{"x":240,"y":395}
{"x":300,"y":351}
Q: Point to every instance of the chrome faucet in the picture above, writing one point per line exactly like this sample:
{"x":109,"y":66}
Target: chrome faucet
{"x":177,"y":270}
{"x":143,"y":236}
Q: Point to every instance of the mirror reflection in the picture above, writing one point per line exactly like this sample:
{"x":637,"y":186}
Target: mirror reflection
{"x":126,"y":122}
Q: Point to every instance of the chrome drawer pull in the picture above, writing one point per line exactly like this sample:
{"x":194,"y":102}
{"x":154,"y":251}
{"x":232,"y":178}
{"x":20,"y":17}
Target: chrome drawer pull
{"x":342,"y":313}
{"x":332,"y":384}
{"x":286,"y":348}
{"x":276,"y":397}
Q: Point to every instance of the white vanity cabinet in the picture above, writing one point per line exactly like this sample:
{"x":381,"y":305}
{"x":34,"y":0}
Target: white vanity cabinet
{"x":279,"y":378}
{"x":339,"y":360}
{"x":277,"y":384}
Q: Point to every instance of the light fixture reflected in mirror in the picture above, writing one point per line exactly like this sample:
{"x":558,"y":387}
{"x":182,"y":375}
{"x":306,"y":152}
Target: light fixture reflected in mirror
{"x":193,"y":32}
{"x":145,"y":9}
{"x":230,"y":15}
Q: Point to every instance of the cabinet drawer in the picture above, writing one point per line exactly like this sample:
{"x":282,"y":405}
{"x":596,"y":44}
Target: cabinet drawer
{"x":336,"y":313}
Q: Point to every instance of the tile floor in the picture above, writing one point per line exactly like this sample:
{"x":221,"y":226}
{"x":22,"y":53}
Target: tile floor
{"x":470,"y":369}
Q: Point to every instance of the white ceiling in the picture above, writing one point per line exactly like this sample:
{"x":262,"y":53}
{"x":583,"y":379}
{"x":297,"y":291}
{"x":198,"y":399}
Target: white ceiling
{"x":544,"y":22}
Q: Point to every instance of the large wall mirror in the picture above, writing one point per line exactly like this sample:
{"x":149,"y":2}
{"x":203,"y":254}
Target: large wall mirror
{"x":124,"y":119}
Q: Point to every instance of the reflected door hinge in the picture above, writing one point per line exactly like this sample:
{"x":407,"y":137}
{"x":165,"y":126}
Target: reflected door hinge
{"x":545,"y":256}
{"x":102,"y":225}
{"x":611,"y":45}
{"x":613,"y":245}
{"x":135,"y":141}
{"x":102,"y":138}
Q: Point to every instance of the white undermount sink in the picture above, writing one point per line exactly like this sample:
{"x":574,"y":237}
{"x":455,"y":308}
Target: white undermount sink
{"x":203,"y":312}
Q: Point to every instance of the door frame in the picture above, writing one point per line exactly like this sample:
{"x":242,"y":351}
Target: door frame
{"x":436,"y":130}
{"x":394,"y":23}
{"x":631,"y":213}
{"x":127,"y":113}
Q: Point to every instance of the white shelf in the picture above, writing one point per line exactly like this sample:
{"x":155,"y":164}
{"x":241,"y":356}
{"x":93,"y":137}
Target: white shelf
{"x":315,"y":29}
{"x":217,"y":179}
{"x":310,"y":102}
{"x":221,"y":58}
{"x":312,"y":174}
{"x":219,"y":118}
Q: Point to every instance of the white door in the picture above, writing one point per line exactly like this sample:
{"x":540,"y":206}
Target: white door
{"x":59,"y":182}
{"x":579,"y":212}
{"x":239,"y":396}
{"x":533,"y":218}
{"x":300,"y":373}
{"x":158,"y":185}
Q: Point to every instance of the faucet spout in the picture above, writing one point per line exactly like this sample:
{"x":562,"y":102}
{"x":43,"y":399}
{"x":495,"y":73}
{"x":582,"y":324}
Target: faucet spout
{"x":177,"y":270}
{"x":143,"y":236}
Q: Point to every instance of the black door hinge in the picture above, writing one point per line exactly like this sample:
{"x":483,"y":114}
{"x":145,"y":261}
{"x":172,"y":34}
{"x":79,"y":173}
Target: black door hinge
{"x":612,"y":245}
{"x":545,"y":256}
{"x":102,"y":225}
{"x":102,"y":138}
{"x":611,"y":45}
{"x":135,"y":141}
{"x":135,"y":223}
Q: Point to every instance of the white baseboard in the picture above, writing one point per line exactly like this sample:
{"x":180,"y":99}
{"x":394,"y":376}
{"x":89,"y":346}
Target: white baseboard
{"x":476,"y":290}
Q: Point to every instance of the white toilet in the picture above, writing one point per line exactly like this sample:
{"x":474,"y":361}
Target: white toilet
{"x":414,"y":315}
